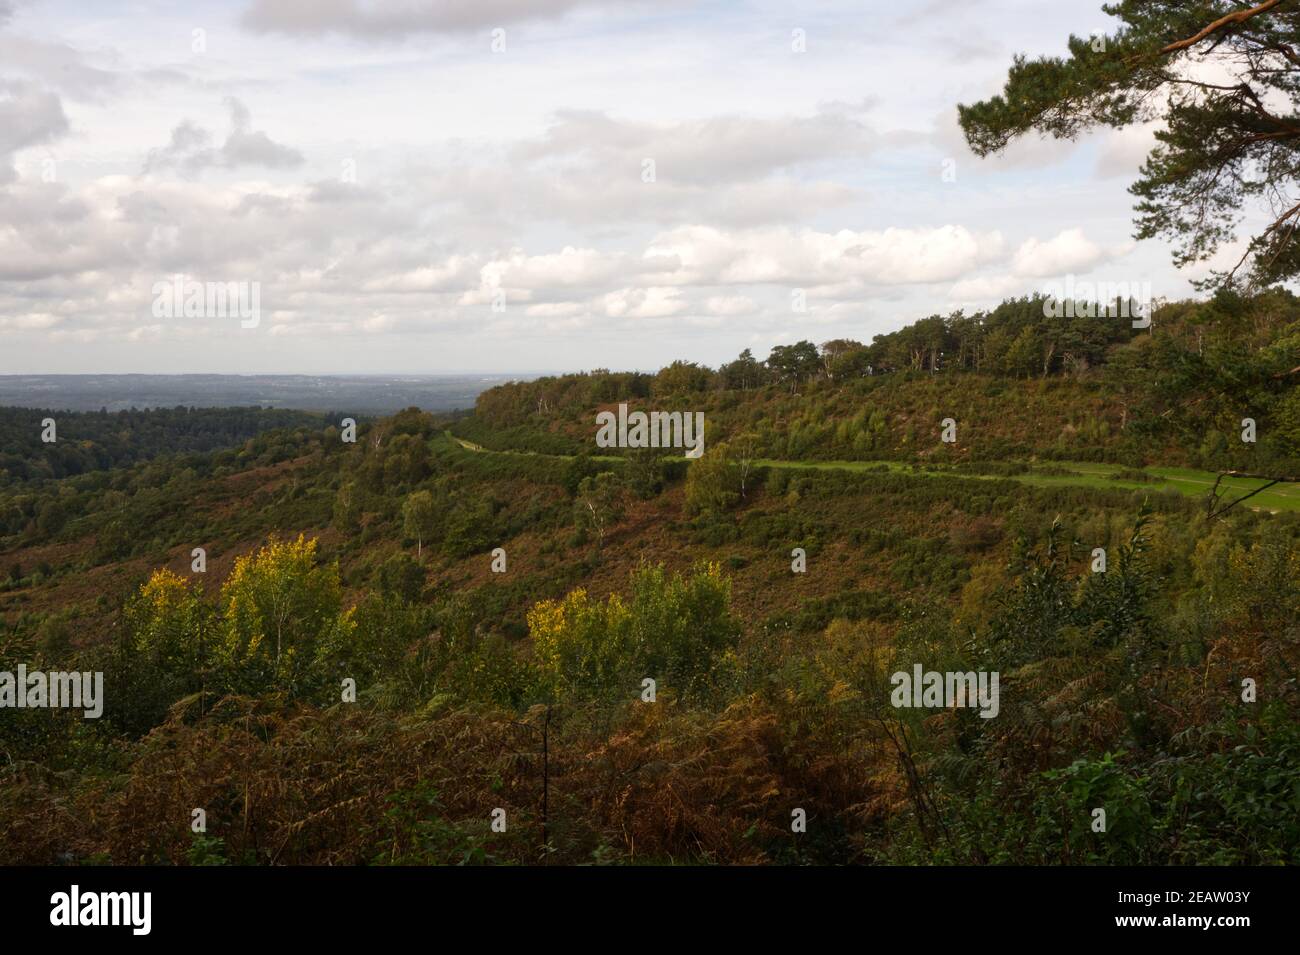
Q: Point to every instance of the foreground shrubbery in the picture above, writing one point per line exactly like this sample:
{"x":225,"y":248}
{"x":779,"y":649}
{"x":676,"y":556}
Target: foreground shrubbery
{"x":1115,"y":694}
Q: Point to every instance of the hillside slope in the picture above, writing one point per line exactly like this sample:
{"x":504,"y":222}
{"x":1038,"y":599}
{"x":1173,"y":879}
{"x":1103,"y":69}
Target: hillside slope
{"x":494,"y":585}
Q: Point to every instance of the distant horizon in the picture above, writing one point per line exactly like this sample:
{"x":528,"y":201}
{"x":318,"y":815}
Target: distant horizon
{"x":357,"y":393}
{"x":285,"y":374}
{"x":658,"y":185}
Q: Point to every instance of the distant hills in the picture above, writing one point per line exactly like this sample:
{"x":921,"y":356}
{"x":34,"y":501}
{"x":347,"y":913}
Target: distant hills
{"x":364,"y":394}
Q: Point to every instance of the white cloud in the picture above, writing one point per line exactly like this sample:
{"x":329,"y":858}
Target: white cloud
{"x":1068,"y":251}
{"x":1124,"y":150}
{"x":190,"y":150}
{"x":716,"y":149}
{"x":388,"y":19}
{"x":643,"y":303}
{"x":519,"y":173}
{"x":29,"y":115}
{"x":31,"y":320}
{"x":730,"y":305}
{"x":811,"y":258}
{"x":986,"y":289}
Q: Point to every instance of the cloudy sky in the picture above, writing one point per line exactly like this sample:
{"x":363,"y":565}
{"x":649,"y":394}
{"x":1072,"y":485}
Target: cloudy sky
{"x":423,"y":186}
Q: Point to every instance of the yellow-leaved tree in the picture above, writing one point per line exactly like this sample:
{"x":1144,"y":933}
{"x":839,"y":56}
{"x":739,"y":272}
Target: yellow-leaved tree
{"x":279,"y":607}
{"x":670,"y":628}
{"x":164,"y":621}
{"x":162,"y":655}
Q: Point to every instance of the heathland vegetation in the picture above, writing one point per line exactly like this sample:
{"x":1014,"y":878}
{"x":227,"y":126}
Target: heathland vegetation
{"x":477,"y":638}
{"x":384,"y":642}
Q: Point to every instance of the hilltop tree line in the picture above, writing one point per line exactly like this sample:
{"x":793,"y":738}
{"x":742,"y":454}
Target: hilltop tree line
{"x":1071,"y":387}
{"x":1017,"y":339}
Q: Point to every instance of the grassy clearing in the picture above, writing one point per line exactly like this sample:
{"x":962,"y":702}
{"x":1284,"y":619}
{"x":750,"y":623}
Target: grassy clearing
{"x":471,"y":446}
{"x":1189,"y":481}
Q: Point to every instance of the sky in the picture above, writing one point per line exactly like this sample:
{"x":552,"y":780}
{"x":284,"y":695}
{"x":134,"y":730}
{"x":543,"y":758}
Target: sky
{"x":528,"y":186}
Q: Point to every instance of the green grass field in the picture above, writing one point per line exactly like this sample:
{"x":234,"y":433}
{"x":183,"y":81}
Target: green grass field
{"x":1189,"y":481}
{"x":1193,"y":483}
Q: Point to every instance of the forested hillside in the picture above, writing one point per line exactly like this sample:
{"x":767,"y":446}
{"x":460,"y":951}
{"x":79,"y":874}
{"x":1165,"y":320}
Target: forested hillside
{"x":1018,"y":384}
{"x":497,"y":591}
{"x":32,"y":449}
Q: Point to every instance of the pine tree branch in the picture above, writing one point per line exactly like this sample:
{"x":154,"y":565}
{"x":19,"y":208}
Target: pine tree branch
{"x":1231,"y":19}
